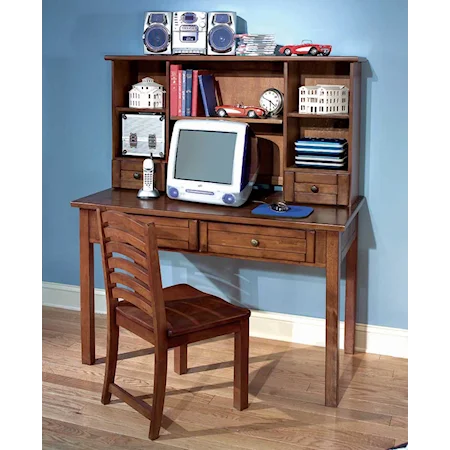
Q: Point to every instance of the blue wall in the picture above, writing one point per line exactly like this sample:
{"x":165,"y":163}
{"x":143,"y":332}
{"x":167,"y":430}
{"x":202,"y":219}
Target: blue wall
{"x":77,"y":142}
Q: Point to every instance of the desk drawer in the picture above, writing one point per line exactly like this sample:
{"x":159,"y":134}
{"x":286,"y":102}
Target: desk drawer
{"x":258,"y":242}
{"x":177,"y":234}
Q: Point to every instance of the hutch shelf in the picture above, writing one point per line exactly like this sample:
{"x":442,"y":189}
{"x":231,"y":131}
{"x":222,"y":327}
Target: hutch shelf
{"x":242,"y":80}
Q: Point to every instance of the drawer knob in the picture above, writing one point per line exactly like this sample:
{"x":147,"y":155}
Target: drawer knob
{"x":254,"y":242}
{"x":314,"y":189}
{"x":136,"y":175}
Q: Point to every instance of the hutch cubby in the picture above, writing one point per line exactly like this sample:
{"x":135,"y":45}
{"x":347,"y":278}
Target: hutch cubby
{"x":243,"y":80}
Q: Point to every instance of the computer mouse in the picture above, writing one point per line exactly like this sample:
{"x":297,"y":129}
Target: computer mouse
{"x":279,"y":207}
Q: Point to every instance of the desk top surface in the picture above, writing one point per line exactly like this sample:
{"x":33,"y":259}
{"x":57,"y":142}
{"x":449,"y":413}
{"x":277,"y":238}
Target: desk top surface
{"x":332,"y":218}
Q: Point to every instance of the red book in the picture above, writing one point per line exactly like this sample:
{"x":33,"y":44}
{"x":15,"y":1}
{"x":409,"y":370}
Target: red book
{"x":174,"y":68}
{"x":197,"y":105}
{"x":179,"y":91}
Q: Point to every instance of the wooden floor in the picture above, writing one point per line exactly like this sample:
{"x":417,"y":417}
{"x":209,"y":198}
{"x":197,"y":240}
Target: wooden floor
{"x":286,"y":396}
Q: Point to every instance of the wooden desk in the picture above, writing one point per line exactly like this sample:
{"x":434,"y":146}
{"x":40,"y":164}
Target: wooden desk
{"x":321,"y":240}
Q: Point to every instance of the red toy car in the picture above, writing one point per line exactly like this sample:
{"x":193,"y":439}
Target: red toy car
{"x":306,"y":48}
{"x":240,"y":111}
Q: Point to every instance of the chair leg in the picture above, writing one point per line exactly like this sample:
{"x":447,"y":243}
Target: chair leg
{"x":159,"y":392}
{"x":111,"y":359}
{"x":241,"y":349}
{"x":180,"y":359}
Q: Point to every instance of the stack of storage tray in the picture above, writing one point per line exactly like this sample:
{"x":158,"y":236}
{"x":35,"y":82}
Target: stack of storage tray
{"x":321,"y":153}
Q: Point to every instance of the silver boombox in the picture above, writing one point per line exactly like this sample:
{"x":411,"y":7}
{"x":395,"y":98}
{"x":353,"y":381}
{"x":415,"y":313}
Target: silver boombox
{"x":143,"y":135}
{"x":189,"y":32}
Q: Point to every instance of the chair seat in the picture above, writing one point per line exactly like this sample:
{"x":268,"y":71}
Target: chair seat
{"x":187,"y":310}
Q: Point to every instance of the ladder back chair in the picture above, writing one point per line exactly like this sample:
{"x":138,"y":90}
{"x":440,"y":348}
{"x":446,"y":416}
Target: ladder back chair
{"x":167,"y":318}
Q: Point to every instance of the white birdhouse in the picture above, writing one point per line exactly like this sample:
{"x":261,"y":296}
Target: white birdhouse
{"x":147,"y":94}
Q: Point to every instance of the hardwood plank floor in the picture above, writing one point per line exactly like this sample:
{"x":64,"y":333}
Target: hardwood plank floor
{"x":286,"y":395}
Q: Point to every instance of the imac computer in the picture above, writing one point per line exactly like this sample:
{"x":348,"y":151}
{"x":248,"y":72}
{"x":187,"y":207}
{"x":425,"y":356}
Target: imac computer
{"x":212,"y":161}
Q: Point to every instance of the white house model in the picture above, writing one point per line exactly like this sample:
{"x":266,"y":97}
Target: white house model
{"x":146,"y":94}
{"x":323,"y":99}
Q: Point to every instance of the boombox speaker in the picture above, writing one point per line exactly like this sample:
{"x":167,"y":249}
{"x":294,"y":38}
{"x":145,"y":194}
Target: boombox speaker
{"x":157,"y":33}
{"x":221,"y":31}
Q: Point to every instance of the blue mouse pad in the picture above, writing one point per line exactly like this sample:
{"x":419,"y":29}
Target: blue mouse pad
{"x":294,"y":211}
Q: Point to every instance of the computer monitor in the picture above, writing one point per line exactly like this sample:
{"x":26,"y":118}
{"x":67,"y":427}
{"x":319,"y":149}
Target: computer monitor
{"x":212,"y":161}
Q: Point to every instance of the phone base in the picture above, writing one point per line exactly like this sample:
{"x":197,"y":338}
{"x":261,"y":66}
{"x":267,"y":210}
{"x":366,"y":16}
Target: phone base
{"x":144,"y":195}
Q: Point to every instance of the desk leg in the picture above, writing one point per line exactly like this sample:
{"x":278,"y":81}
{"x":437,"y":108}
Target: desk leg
{"x":333,"y":271}
{"x":86,"y":291}
{"x":350,"y":296}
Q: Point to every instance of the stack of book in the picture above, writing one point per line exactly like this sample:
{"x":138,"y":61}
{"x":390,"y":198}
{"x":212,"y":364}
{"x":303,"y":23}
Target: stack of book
{"x":321,"y":153}
{"x":192,"y":92}
{"x":255,"y":44}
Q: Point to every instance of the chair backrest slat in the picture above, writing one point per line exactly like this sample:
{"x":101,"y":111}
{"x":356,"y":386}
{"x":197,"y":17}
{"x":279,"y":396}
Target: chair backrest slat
{"x":123,"y":221}
{"x":134,"y":283}
{"x":131,"y":266}
{"x":127,"y":250}
{"x":134,"y":298}
{"x":119,"y":235}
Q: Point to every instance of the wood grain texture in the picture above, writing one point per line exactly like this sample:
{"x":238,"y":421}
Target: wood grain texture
{"x":343,"y":190}
{"x":310,"y":246}
{"x":315,"y":199}
{"x":228,"y":235}
{"x":321,"y":247}
{"x":171,"y":233}
{"x":333,"y":273}
{"x":288,"y":187}
{"x":193,"y":235}
{"x":316,"y":187}
{"x":231,"y":239}
{"x":241,"y":353}
{"x":115,"y":173}
{"x":323,"y":217}
{"x":322,"y":127}
{"x":123,"y":75}
{"x":347,"y":237}
{"x":87,"y":290}
{"x":285,"y":396}
{"x":242,"y":80}
{"x":202,"y":58}
{"x":314,"y":177}
{"x":136,"y":301}
{"x":350,"y":294}
{"x":180,"y":359}
{"x":132,"y":179}
{"x":354,"y":129}
{"x":267,"y":121}
{"x":203,"y":236}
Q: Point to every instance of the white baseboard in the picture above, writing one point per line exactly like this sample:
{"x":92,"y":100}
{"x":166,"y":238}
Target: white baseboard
{"x":282,"y":327}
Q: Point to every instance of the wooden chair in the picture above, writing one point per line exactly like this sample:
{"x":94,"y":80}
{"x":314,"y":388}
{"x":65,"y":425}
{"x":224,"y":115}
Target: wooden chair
{"x":168,"y":318}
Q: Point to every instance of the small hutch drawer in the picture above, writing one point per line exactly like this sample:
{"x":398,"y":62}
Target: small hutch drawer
{"x":128,"y":174}
{"x":256,"y":242}
{"x":318,"y":188}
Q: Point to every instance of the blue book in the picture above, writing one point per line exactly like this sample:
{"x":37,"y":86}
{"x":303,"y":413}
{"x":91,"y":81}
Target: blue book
{"x":208,"y":91}
{"x":188,"y":92}
{"x":183,"y":93}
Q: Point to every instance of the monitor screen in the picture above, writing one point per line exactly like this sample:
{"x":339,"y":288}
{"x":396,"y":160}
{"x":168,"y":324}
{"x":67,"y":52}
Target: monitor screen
{"x":205,"y":156}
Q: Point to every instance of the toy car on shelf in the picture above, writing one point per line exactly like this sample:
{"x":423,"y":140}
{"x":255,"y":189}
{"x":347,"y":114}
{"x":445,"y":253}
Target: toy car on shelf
{"x":239,"y":110}
{"x":306,"y":48}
